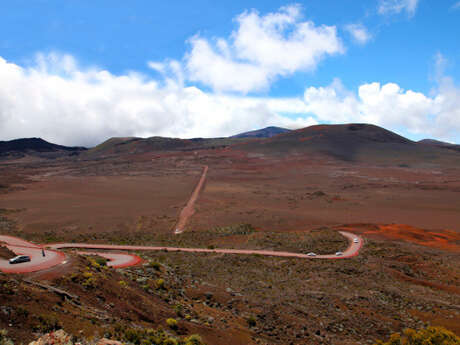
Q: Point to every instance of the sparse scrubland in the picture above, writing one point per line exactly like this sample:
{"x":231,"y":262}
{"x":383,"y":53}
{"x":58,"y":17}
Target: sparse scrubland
{"x":407,"y":275}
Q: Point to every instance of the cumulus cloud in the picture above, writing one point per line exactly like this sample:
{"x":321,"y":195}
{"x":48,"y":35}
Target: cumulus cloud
{"x":358,"y":32}
{"x":390,"y":106}
{"x":64,"y":103}
{"x":397,"y":6}
{"x":58,"y":100}
{"x":261,"y":49}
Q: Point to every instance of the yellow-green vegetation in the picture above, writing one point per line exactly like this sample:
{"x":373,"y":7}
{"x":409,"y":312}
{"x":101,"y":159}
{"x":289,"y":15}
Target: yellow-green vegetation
{"x":251,"y":321}
{"x":179,"y":309}
{"x":98,"y":262}
{"x":194,"y":339}
{"x":172,"y":323}
{"x":425,"y":336}
{"x":155,"y":265}
{"x":4,"y":340}
{"x":160,"y":283}
{"x":123,"y":283}
{"x":140,"y":336}
{"x":89,"y":277}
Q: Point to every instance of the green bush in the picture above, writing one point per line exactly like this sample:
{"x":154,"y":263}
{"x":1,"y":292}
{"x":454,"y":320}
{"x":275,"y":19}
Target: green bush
{"x":425,"y":336}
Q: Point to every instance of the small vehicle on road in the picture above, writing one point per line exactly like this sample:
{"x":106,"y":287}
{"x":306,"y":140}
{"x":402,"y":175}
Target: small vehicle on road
{"x":19,"y":259}
{"x":338,"y":254}
{"x":311,"y":254}
{"x":355,"y":240}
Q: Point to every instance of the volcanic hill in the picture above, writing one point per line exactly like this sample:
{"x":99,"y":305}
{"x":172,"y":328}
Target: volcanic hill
{"x":19,"y":148}
{"x":352,"y":142}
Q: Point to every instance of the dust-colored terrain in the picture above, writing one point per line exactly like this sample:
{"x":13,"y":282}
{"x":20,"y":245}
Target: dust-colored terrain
{"x":272,"y":195}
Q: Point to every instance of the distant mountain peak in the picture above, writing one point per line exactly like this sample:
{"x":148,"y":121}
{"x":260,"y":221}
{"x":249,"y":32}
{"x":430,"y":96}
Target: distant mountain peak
{"x":266,"y":132}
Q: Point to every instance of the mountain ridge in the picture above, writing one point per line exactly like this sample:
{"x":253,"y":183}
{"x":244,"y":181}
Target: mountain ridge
{"x":266,"y":132}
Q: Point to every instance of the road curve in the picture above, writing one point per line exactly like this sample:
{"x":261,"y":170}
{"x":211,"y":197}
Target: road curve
{"x":189,"y":209}
{"x":53,"y":257}
{"x":38,"y":262}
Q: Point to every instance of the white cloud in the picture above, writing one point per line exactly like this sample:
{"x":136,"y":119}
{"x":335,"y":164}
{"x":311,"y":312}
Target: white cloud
{"x":260,"y":50}
{"x":390,"y":106}
{"x":57,"y":100}
{"x":397,"y":6}
{"x":358,"y":32}
{"x":456,"y":6}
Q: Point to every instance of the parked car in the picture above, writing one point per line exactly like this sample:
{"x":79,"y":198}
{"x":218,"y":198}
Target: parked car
{"x":20,"y":258}
{"x":311,"y":254}
{"x":355,"y":240}
{"x":338,"y":254}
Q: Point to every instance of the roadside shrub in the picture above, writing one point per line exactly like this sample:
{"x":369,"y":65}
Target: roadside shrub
{"x":160,"y":283}
{"x":179,"y":310}
{"x":90,"y":283}
{"x":425,"y":336}
{"x":98,"y":262}
{"x":87,"y":275}
{"x":172,"y":323}
{"x":240,"y":229}
{"x":170,"y":341}
{"x":194,"y":339}
{"x":155,"y":265}
{"x":251,"y":320}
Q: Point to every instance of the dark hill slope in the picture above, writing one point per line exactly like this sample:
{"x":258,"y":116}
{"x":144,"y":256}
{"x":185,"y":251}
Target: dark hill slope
{"x":351,"y":142}
{"x":117,"y":146}
{"x":441,"y":144}
{"x":267,"y":132}
{"x":35,"y":147}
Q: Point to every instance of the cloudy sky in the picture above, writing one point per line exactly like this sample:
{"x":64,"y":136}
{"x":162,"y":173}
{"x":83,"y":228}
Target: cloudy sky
{"x":78,"y":72}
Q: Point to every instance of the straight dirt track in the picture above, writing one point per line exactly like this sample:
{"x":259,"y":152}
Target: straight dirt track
{"x":189,"y":209}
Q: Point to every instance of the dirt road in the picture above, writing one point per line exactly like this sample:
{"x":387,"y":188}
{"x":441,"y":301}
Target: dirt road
{"x":189,"y":209}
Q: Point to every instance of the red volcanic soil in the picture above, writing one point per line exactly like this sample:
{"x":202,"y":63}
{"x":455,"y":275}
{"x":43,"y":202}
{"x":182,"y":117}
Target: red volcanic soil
{"x":86,"y":204}
{"x":440,"y":239}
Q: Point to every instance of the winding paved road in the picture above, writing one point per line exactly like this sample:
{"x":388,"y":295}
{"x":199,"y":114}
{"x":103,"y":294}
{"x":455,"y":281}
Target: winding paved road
{"x":55,"y":257}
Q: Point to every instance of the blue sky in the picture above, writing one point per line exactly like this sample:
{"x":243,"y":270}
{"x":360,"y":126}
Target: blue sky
{"x":78,"y":72}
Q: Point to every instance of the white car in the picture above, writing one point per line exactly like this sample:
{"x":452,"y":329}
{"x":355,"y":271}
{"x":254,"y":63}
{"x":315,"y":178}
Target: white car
{"x":18,"y":259}
{"x":355,"y":240}
{"x":338,"y":254}
{"x":311,"y":254}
